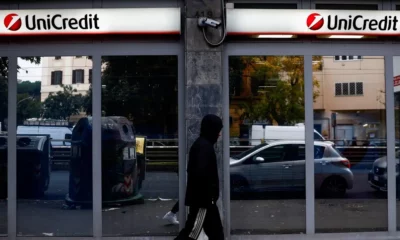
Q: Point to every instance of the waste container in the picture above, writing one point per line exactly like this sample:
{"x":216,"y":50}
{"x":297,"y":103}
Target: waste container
{"x":3,"y":167}
{"x":33,"y":165}
{"x":120,"y":170}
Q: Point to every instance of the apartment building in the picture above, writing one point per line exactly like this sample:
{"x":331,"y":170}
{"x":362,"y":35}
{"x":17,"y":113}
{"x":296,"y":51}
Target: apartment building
{"x":352,"y":90}
{"x":75,"y":70}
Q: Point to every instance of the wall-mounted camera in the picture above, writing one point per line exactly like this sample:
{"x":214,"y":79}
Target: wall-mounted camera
{"x":203,"y":22}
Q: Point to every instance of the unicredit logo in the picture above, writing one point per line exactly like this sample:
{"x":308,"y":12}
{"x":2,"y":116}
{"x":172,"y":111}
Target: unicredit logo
{"x":315,"y":21}
{"x":352,"y":23}
{"x":359,"y":22}
{"x":12,"y":22}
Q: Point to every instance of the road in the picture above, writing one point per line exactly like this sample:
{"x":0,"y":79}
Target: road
{"x":165,"y":185}
{"x":362,"y":209}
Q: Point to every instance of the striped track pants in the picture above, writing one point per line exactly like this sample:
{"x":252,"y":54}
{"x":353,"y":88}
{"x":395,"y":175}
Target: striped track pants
{"x":207,"y":219}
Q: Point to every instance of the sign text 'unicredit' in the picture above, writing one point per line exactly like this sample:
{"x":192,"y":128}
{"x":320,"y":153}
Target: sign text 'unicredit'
{"x":57,"y":22}
{"x":359,"y":23}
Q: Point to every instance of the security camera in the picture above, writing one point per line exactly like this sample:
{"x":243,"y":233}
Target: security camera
{"x":203,"y":22}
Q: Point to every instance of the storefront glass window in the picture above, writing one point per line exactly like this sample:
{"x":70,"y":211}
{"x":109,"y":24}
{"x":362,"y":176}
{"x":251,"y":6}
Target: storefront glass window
{"x":54,"y":155}
{"x":139,"y":145}
{"x":351,"y":176}
{"x":267,"y":165}
{"x":396,"y":85}
{"x":3,"y":143}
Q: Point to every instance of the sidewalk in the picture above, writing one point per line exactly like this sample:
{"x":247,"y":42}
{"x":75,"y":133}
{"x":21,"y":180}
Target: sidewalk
{"x":248,"y":217}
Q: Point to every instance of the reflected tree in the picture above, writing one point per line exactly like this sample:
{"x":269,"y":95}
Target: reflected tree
{"x":63,"y":104}
{"x":273,"y":87}
{"x":143,"y":89}
{"x":4,"y":86}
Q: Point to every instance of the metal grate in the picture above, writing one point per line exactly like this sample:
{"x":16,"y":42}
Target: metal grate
{"x":349,"y":89}
{"x":338,"y":89}
{"x":359,"y":88}
{"x":345,"y":88}
{"x":352,"y":89}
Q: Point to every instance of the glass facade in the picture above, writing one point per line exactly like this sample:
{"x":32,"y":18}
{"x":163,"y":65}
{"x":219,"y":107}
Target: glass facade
{"x":102,"y":130}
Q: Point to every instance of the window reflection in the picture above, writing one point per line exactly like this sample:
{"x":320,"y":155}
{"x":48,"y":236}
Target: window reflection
{"x":140,"y":145}
{"x":267,"y":166}
{"x":3,"y":143}
{"x":54,"y":156}
{"x":350,"y":112}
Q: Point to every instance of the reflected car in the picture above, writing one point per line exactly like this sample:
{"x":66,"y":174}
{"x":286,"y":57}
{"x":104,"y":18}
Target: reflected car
{"x":377,"y":176}
{"x":280,"y":166}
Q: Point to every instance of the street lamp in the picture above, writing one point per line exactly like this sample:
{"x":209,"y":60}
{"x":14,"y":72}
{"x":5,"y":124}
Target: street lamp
{"x":30,"y":97}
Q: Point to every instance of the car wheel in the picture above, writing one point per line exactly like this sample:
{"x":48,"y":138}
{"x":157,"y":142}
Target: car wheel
{"x":334,"y":187}
{"x":238,"y":184}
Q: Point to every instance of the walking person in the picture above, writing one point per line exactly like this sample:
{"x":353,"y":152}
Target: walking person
{"x":202,"y":191}
{"x":171,"y":215}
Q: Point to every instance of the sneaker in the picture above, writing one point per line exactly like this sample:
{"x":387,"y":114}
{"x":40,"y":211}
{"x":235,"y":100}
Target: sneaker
{"x":171,"y":217}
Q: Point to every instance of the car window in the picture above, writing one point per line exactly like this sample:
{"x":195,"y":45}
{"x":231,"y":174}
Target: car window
{"x":272,"y":154}
{"x":317,"y":136}
{"x":294,"y":152}
{"x":249,"y":151}
{"x":319,"y":152}
{"x":301,"y":152}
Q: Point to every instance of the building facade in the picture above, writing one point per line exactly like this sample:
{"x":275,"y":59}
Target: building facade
{"x":330,"y":65}
{"x":60,"y":70}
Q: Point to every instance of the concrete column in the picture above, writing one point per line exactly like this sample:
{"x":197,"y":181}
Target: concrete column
{"x":203,"y":74}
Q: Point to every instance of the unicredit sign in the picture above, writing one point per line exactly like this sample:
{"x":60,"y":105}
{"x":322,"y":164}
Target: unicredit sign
{"x":91,"y":21}
{"x":312,"y":22}
{"x":58,"y":22}
{"x":360,"y":23}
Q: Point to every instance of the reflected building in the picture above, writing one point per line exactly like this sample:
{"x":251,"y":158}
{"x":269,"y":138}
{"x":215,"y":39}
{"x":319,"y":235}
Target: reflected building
{"x":351,"y":87}
{"x":75,"y":70}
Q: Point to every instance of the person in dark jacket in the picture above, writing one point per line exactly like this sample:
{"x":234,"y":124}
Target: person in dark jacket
{"x":202,"y":190}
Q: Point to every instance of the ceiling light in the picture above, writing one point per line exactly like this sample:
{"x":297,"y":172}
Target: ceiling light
{"x":346,"y":36}
{"x":275,"y":36}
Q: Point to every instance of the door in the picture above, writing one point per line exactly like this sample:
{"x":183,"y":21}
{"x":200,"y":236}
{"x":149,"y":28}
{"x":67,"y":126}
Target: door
{"x":345,"y":133}
{"x":267,"y":175}
{"x":297,"y":166}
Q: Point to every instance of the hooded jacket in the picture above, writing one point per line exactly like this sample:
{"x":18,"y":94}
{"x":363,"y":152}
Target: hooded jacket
{"x":202,"y":172}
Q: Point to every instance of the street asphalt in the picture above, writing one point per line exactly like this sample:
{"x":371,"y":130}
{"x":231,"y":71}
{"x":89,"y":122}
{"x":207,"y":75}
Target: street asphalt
{"x":363,"y":209}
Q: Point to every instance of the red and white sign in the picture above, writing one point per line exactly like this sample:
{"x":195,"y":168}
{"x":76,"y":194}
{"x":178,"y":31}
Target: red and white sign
{"x":91,"y":21}
{"x":312,"y":22}
{"x":396,"y":81}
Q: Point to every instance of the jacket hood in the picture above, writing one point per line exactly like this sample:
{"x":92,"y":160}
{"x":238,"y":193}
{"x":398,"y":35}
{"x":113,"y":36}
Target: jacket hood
{"x":211,"y":125}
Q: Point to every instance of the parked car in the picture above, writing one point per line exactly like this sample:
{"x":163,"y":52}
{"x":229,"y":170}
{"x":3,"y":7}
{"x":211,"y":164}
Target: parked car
{"x":377,"y":177}
{"x":280,"y":166}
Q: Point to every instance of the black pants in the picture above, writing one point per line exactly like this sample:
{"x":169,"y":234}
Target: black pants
{"x":202,"y":218}
{"x":175,"y":208}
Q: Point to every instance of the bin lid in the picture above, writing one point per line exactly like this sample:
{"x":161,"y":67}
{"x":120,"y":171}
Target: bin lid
{"x":113,"y":127}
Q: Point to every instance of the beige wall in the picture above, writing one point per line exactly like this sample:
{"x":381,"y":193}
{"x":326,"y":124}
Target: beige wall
{"x":67,"y":65}
{"x":369,"y":70}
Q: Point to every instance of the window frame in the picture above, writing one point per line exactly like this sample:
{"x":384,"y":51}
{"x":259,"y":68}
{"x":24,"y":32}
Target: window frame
{"x":75,"y":75}
{"x":53,"y":81}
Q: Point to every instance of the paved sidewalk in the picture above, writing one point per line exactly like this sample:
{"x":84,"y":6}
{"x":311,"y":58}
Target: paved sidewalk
{"x":38,"y":218}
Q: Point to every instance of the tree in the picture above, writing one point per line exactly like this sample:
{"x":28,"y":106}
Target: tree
{"x":276,"y":89}
{"x":63,"y":104}
{"x":144,"y":89}
{"x":27,"y":107}
{"x":4,"y":85}
{"x":31,"y":88}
